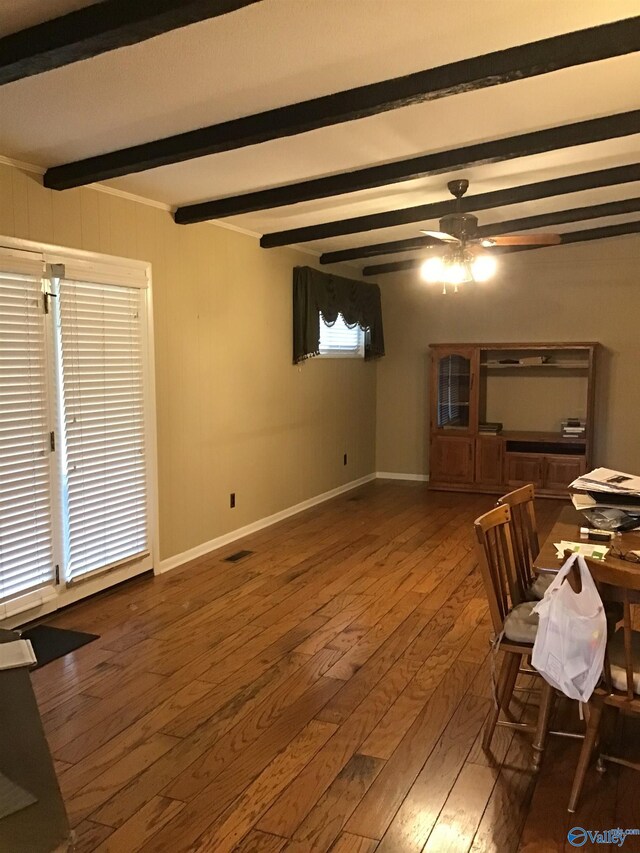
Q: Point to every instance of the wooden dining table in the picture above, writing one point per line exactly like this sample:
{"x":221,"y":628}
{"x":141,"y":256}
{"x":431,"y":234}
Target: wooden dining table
{"x":567,"y":527}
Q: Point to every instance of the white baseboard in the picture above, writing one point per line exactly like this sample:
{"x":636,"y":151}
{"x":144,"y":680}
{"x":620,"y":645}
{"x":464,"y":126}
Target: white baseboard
{"x":391,"y":475}
{"x":226,"y":538}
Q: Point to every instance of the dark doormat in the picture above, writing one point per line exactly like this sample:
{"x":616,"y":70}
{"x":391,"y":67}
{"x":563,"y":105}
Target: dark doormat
{"x":50,"y":643}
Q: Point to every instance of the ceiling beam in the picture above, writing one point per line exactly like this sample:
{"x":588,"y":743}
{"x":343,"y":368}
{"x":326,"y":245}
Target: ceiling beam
{"x":515,"y":63}
{"x":390,"y":248}
{"x":99,"y":28}
{"x":478,"y":154}
{"x":543,"y":220}
{"x":567,"y":238}
{"x":482,"y":201}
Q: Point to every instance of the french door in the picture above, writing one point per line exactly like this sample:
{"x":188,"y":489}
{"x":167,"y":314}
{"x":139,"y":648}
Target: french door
{"x":75,"y":454}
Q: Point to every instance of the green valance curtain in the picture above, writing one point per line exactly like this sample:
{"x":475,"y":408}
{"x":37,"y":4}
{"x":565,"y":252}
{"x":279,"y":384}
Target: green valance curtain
{"x":316,"y":292}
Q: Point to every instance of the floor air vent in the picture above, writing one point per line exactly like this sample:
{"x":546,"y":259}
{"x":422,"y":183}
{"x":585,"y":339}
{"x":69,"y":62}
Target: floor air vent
{"x":239,"y":555}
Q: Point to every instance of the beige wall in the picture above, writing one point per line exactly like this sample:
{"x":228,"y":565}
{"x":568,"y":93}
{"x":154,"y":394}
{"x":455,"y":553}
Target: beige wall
{"x":233,"y":413}
{"x":588,"y":291}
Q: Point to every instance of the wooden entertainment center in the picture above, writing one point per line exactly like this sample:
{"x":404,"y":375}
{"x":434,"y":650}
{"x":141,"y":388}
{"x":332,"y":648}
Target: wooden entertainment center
{"x":529,"y":388}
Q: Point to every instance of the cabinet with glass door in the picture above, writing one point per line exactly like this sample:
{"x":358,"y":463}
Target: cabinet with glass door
{"x":503,"y":414}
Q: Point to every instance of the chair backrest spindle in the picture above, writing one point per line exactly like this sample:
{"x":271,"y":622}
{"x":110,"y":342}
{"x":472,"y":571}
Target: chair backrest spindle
{"x":497,"y":563}
{"x":524,"y":531}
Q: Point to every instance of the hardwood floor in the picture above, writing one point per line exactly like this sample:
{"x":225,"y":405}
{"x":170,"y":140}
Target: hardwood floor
{"x":326,"y":692}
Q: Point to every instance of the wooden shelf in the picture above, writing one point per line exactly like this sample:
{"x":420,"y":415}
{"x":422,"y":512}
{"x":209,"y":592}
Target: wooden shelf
{"x":557,"y":365}
{"x":541,"y":437}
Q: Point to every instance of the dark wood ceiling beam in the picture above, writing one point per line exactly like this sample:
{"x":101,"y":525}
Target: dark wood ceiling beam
{"x":543,"y":220}
{"x":516,"y":63}
{"x":482,"y":201}
{"x":479,"y":154}
{"x":391,"y":248}
{"x":99,"y":28}
{"x":567,"y":238}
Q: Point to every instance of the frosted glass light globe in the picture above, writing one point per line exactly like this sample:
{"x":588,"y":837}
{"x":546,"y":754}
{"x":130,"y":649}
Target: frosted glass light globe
{"x":483,"y":267}
{"x":432,"y":270}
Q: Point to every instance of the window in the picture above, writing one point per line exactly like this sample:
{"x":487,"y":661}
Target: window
{"x":339,"y":341}
{"x":74,"y":426}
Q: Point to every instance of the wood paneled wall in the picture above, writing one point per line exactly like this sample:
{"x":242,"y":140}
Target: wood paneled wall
{"x":233,"y":413}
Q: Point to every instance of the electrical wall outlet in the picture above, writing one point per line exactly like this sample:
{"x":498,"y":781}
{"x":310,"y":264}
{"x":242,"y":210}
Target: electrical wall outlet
{"x":232,"y":500}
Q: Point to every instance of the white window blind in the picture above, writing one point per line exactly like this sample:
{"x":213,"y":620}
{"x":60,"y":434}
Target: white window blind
{"x":102,"y":330}
{"x":339,"y":339}
{"x":26,"y":540}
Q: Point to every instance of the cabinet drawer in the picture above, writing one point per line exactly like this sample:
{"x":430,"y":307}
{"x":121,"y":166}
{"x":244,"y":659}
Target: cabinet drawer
{"x":523,"y":468}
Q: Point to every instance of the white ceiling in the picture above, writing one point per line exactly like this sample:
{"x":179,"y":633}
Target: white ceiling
{"x":282,"y":51}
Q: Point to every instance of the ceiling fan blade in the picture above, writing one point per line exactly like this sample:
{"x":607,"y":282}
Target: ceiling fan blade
{"x":441,"y":235}
{"x":523,"y":240}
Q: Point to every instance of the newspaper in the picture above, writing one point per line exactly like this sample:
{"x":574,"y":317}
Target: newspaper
{"x":608,"y":480}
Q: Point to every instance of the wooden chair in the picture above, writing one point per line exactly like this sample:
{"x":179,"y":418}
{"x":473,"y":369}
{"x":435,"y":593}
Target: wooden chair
{"x":620,"y":687}
{"x":526,"y":545}
{"x":514,"y":624}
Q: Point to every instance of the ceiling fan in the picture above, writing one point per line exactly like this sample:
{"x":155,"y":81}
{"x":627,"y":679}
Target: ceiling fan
{"x":464,"y":259}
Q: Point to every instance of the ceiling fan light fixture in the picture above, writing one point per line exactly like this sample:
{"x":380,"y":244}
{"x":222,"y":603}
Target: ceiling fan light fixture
{"x":483,"y":267}
{"x":433,"y":270}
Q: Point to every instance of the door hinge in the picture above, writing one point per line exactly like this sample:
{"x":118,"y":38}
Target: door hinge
{"x":52,"y":441}
{"x":57,"y":575}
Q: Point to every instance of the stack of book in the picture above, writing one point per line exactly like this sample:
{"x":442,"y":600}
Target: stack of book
{"x":573,"y":428}
{"x":490,"y":428}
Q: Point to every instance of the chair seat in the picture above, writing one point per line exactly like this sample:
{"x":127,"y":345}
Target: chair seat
{"x":615,"y":647}
{"x":521,"y":624}
{"x":540,"y":585}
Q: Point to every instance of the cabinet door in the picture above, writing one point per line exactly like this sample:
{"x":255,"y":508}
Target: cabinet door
{"x":523,"y":468}
{"x":451,"y":459}
{"x":559,"y":471}
{"x":454,"y":391}
{"x":489,"y":461}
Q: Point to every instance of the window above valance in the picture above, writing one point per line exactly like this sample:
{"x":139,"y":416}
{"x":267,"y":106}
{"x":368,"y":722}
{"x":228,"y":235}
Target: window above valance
{"x":316,"y":293}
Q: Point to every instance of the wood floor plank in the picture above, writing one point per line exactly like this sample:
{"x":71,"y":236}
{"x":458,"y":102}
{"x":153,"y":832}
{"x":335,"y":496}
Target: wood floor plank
{"x":359,"y":654}
{"x":78,"y":776}
{"x":325,"y":821}
{"x":86,"y":799}
{"x":348,"y":843}
{"x":503,"y":819}
{"x":89,"y":835}
{"x":254,"y":722}
{"x":372,"y":670}
{"x":414,"y":820}
{"x":376,"y":811}
{"x":335,"y":626}
{"x":291,"y":808}
{"x":89,"y":728}
{"x":201,"y":812}
{"x":144,"y":824}
{"x":236,"y":822}
{"x":459,"y":819}
{"x":260,"y":842}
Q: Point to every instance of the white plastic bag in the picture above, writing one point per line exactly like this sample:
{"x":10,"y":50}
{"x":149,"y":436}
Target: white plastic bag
{"x":572,"y":634}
